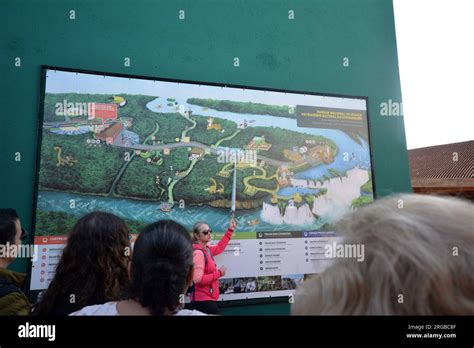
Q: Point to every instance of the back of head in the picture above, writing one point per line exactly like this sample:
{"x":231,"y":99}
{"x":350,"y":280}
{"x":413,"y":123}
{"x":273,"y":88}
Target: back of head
{"x":94,"y":263}
{"x":7,"y":226}
{"x":162,"y":260}
{"x":419,"y":260}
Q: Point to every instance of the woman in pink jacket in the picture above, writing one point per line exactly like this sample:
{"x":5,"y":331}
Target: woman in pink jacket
{"x":206,"y":286}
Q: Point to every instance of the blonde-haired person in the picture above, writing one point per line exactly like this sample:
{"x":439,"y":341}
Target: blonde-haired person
{"x":205,"y":292}
{"x":419,"y":260}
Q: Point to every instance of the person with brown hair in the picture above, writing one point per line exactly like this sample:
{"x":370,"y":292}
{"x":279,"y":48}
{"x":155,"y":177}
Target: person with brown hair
{"x":419,"y":260}
{"x":161,"y":271}
{"x":93,"y":268}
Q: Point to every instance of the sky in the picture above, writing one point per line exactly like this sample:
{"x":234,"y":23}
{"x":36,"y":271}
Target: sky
{"x":435,"y":41}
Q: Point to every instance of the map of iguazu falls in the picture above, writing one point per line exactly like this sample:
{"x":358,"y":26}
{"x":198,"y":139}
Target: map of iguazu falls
{"x":286,"y":165}
{"x":147,"y":150}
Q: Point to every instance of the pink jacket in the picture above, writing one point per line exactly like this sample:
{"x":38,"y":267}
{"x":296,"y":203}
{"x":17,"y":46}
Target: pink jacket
{"x":206,"y":284}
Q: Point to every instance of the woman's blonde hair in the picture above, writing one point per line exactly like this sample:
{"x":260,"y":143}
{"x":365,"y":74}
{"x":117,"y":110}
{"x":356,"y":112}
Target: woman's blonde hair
{"x":196,"y":230}
{"x":419,"y":260}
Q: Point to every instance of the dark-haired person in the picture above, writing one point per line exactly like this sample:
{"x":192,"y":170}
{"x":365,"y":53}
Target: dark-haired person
{"x":93,"y":268}
{"x":206,"y":284}
{"x":12,"y":299}
{"x":161,"y":271}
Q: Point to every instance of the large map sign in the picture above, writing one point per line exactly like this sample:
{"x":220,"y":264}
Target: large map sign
{"x":149,"y":149}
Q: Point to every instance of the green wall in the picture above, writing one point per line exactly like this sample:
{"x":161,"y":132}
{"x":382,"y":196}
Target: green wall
{"x":305,"y":53}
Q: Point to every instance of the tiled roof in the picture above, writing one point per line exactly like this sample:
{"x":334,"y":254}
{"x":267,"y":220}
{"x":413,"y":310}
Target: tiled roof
{"x":450,"y":161}
{"x":112,"y":131}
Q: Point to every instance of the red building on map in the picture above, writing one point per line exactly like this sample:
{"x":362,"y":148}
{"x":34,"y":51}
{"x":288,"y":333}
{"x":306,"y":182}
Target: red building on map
{"x":103,"y":111}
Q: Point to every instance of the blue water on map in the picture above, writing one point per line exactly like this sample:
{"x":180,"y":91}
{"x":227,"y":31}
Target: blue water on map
{"x":218,"y":219}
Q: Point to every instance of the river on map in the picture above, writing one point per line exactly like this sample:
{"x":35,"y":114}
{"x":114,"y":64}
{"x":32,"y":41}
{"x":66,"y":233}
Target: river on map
{"x":358,"y":154}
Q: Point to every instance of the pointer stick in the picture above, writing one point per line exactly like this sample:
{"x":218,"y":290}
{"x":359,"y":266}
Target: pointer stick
{"x":234,"y":189}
